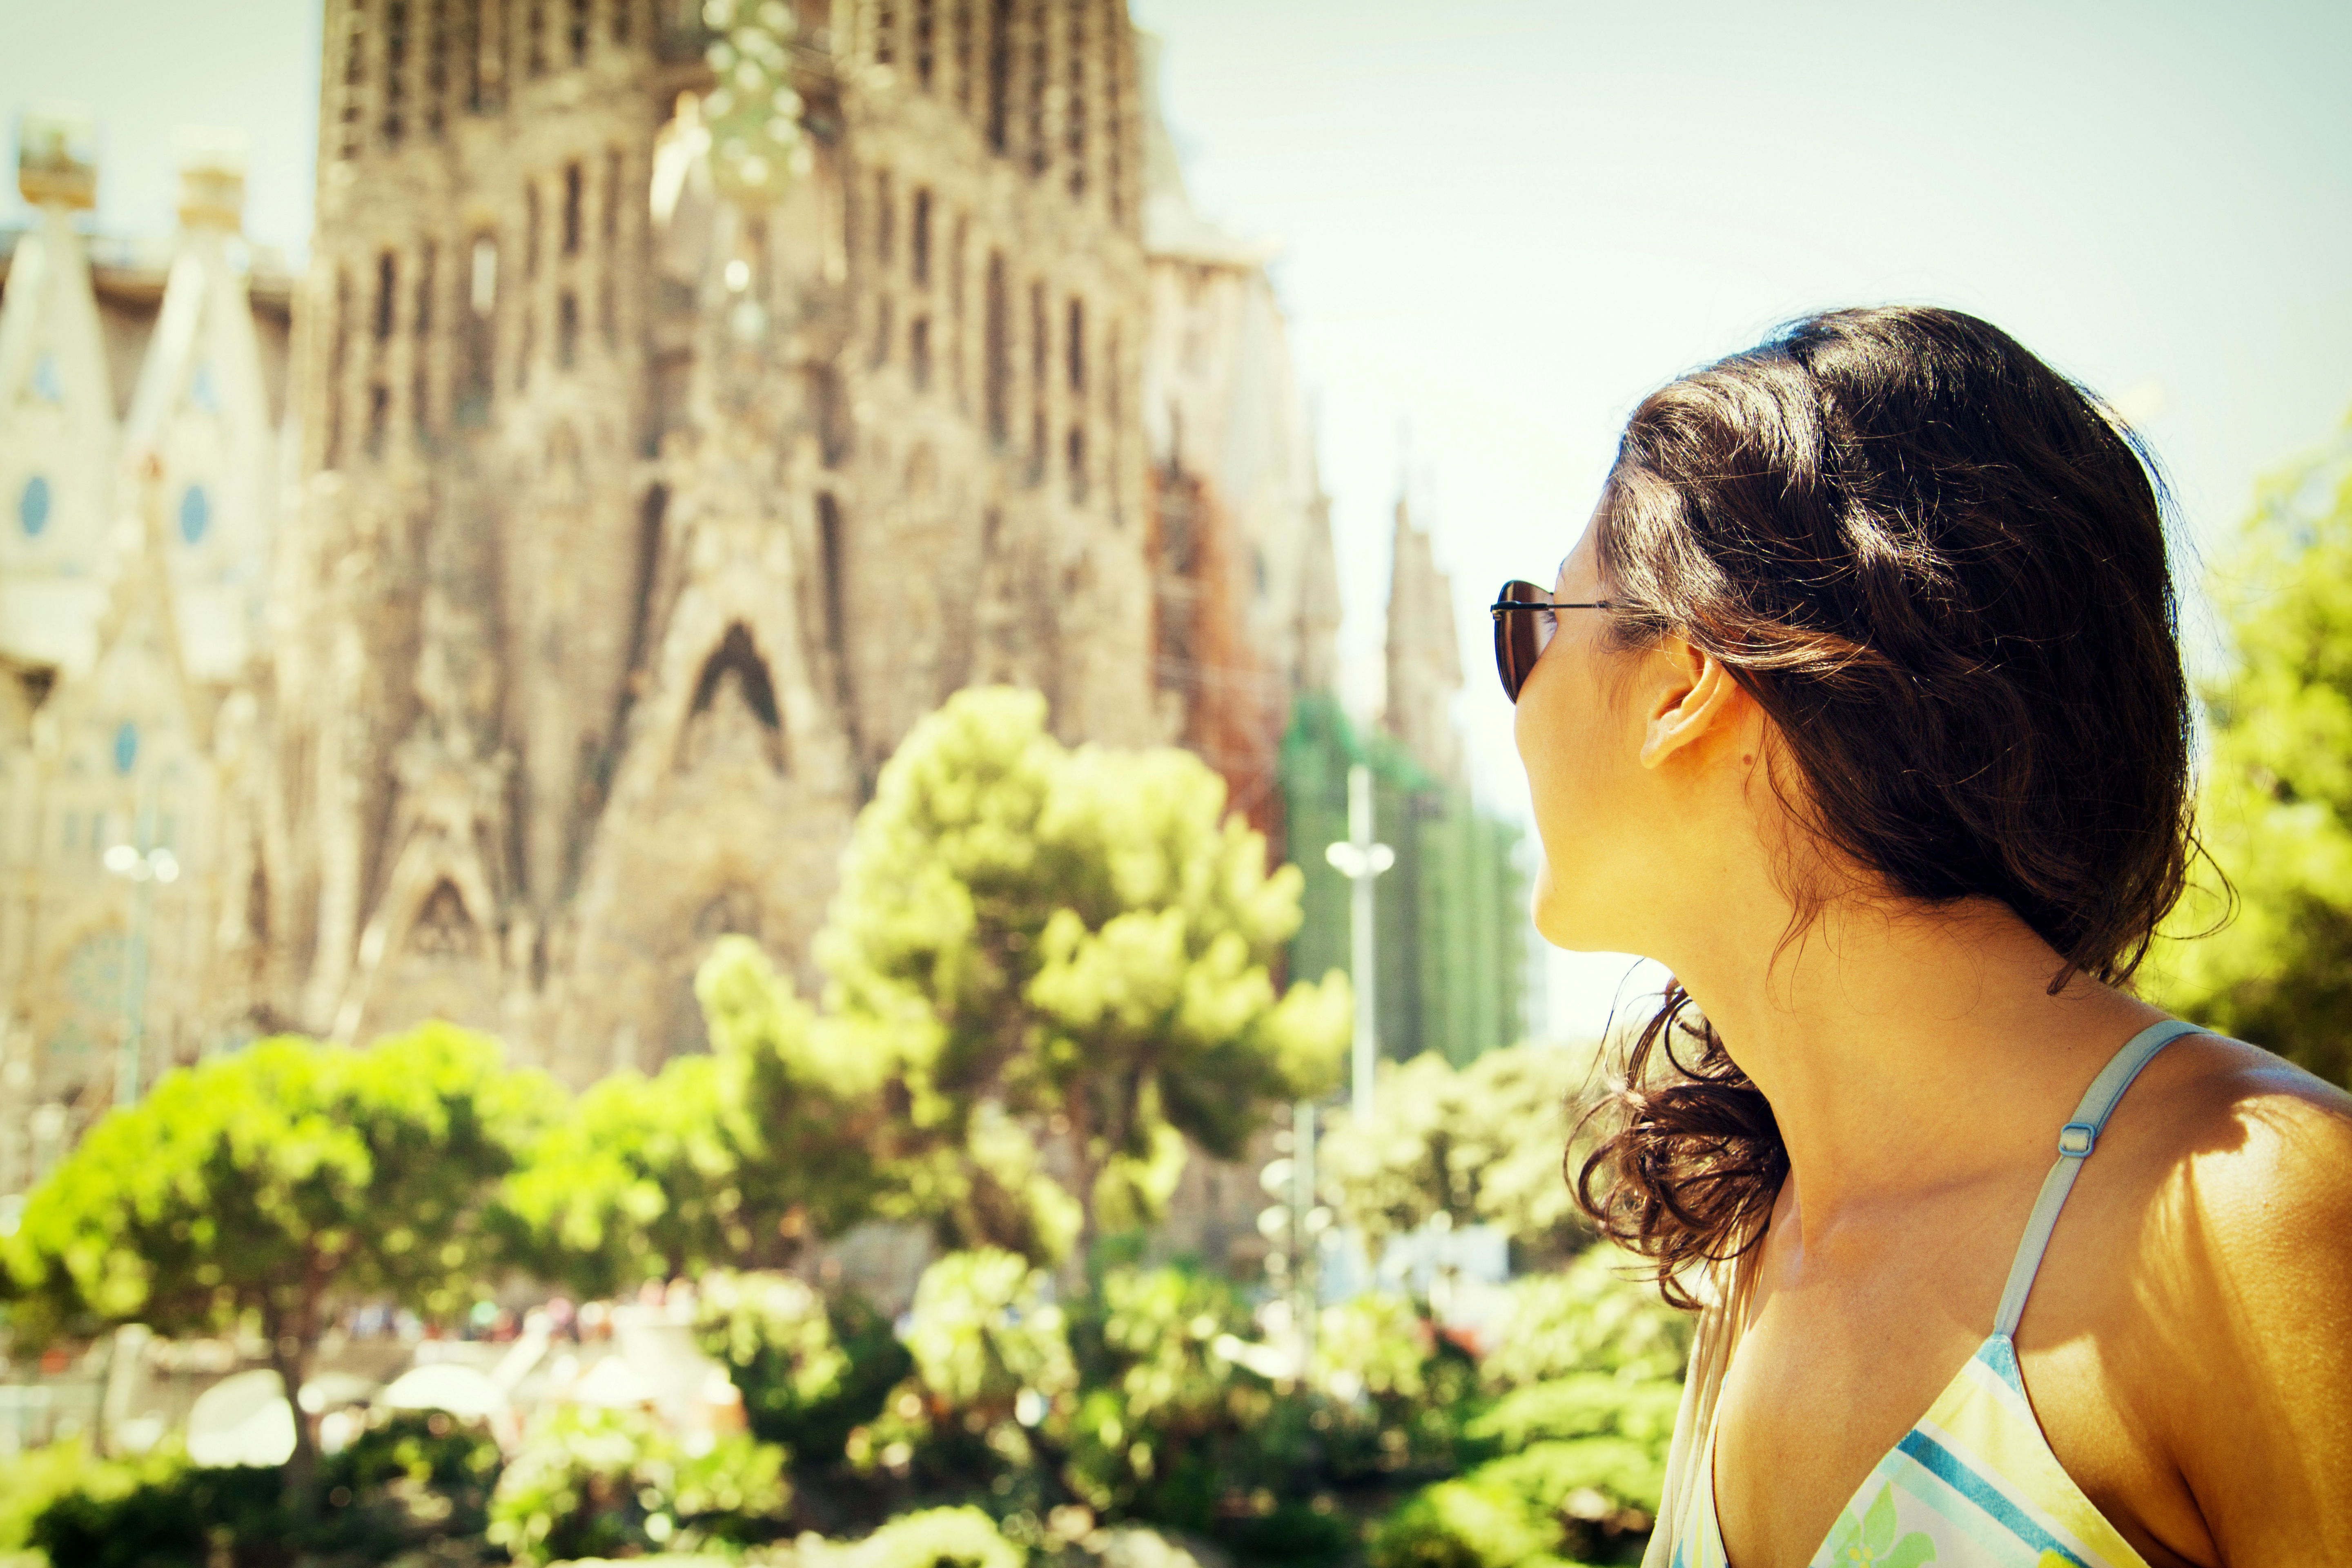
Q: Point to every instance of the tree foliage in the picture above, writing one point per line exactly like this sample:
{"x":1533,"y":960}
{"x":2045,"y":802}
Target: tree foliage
{"x":1036,"y":935}
{"x":614,"y":1483}
{"x":2273,"y":965}
{"x":732,"y":1159}
{"x":811,"y":1368}
{"x":256,"y":1187}
{"x":1484,"y":1144}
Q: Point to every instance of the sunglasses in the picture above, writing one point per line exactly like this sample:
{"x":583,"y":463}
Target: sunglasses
{"x":1524,"y":621}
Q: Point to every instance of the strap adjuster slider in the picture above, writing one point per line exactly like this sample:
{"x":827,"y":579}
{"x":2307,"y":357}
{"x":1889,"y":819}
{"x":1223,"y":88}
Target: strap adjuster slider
{"x":2075,"y":1140}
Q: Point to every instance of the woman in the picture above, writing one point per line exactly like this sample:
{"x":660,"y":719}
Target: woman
{"x":1859,"y":706}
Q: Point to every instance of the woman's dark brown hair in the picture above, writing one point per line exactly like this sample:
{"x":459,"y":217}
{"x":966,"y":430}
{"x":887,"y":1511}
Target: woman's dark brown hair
{"x":1939,"y":567}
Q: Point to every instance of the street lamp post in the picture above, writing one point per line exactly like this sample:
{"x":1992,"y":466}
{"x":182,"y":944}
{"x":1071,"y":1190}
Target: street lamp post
{"x":145,"y":868}
{"x":1359,"y":861}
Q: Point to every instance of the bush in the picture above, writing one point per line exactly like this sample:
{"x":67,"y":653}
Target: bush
{"x":1597,"y":1491}
{"x":1582,"y":1404}
{"x":991,"y":1361}
{"x":1296,"y":1535}
{"x":985,"y":1330}
{"x":1156,"y":1435}
{"x":408,"y":1478}
{"x":411,"y":1475}
{"x":811,"y":1370}
{"x":34,"y":1479}
{"x":161,"y":1512}
{"x":933,"y":1538}
{"x":1459,"y":1524}
{"x":599,"y":1483}
{"x":1396,"y":1389}
{"x":1589,"y":1316}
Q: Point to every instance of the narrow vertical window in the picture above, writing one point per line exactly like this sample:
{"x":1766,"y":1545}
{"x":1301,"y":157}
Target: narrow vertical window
{"x":1114,"y":121}
{"x":395,"y":72}
{"x":621,"y":18}
{"x":612,"y":203}
{"x":420,"y":326}
{"x":573,"y":181}
{"x":918,"y":238}
{"x":1073,"y":130}
{"x":1110,"y":373}
{"x":437,"y":67}
{"x":608,"y":315}
{"x":387,"y":279}
{"x":567,"y":329}
{"x":477,"y":374}
{"x":882,"y":329}
{"x":486,"y":69}
{"x":354,"y":111}
{"x":960,"y":26}
{"x":830,"y":568}
{"x":534,"y":36}
{"x":338,"y":359}
{"x":886,"y":237}
{"x":379,"y":417}
{"x":529,"y":229}
{"x":1040,"y":151}
{"x":926,"y":42}
{"x":1076,"y":348}
{"x":919,"y":352}
{"x":1000,"y":75}
{"x":885,"y":32}
{"x":1040,"y":356}
{"x":998,"y":349}
{"x":578,"y":32}
{"x":1077,"y":460}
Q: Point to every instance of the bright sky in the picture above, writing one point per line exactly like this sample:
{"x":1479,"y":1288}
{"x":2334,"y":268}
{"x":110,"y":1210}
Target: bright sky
{"x":1505,"y":220}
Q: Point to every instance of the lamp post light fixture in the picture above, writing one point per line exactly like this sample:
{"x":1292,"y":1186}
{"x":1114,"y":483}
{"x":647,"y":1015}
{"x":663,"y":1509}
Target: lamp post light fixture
{"x":1359,"y":861}
{"x":144,"y":868}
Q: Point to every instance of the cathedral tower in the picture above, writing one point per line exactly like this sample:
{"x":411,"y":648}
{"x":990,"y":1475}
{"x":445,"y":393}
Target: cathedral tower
{"x":691,"y":398}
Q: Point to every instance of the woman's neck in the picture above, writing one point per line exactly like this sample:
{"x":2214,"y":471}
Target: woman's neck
{"x":1904,"y":1051}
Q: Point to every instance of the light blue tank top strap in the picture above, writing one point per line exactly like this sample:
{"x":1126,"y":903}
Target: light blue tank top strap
{"x":2075,"y":1142}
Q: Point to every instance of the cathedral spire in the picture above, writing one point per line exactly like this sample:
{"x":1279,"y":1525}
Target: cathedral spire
{"x":1424,"y":655}
{"x":58,"y":434}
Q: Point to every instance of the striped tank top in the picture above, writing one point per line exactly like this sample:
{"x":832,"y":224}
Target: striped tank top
{"x":1973,"y":1483}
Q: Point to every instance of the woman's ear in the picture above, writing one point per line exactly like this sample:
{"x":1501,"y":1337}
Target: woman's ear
{"x":1691,"y":696}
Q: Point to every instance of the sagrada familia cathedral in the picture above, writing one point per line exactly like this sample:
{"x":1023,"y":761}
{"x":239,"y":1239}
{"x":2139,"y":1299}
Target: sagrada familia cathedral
{"x":677,"y":403}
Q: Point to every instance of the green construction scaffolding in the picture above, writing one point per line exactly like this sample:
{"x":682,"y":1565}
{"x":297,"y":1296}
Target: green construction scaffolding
{"x":1450,"y":919}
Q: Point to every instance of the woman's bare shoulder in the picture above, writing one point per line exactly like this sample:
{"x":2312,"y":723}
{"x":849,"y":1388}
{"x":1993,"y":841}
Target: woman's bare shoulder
{"x":2243,"y":1291}
{"x":2257,"y":1146}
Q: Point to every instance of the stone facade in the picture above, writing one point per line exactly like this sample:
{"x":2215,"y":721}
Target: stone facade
{"x":132,"y":614}
{"x":618,"y":524}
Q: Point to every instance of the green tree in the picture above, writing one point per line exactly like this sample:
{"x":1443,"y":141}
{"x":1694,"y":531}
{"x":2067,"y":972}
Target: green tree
{"x":257,"y":1187}
{"x":730,"y":1159}
{"x":2274,"y":965}
{"x":1080,"y":940}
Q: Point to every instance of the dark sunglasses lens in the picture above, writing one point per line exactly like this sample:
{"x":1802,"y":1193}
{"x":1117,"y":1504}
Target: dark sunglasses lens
{"x":1516,"y":636}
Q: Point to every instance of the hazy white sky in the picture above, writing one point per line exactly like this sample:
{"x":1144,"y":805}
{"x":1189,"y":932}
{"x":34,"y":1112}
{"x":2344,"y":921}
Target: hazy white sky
{"x":1505,"y":220}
